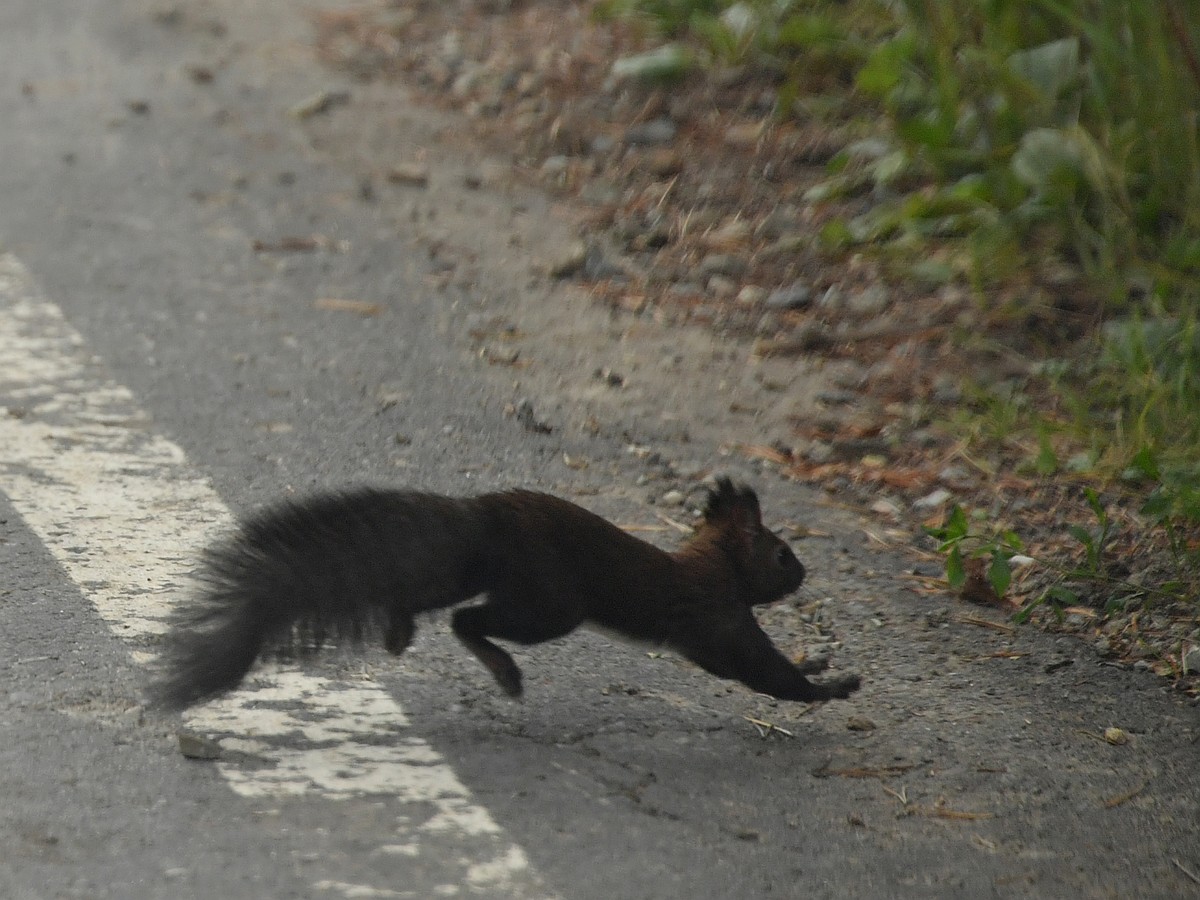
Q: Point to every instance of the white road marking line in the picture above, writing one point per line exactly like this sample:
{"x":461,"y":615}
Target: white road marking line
{"x":124,"y":514}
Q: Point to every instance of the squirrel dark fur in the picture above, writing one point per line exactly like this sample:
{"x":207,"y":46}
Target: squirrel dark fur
{"x":347,"y":565}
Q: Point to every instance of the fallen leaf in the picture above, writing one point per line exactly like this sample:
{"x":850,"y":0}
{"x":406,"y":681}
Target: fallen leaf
{"x":1116,"y":736}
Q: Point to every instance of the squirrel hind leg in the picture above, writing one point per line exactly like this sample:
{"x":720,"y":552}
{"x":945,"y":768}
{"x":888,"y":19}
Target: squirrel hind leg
{"x":501,"y":617}
{"x":470,"y":626}
{"x":399,"y":632}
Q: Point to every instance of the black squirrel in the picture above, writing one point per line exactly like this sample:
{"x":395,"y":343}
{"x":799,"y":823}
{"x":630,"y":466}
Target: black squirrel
{"x":345,"y":565}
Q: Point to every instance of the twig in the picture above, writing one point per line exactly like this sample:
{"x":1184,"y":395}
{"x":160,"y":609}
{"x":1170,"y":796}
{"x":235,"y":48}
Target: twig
{"x":666,"y":193}
{"x":765,"y":728}
{"x":678,"y":526}
{"x":941,"y":812}
{"x":1113,"y":802}
{"x":901,"y":795}
{"x":1186,"y":871}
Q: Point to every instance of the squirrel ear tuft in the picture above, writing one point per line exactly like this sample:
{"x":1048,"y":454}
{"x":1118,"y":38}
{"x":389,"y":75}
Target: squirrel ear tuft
{"x":731,"y":501}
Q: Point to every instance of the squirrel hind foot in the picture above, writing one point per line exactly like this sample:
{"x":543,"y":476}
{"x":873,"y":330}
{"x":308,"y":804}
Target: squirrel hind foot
{"x":841,"y":688}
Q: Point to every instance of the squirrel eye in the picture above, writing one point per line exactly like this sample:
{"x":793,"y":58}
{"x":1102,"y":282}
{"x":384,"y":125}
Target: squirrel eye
{"x":782,"y":555}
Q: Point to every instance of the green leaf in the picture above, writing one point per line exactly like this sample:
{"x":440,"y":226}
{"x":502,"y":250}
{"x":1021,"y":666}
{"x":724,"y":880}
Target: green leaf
{"x":1000,"y":574}
{"x":1054,"y":71}
{"x":1049,"y":160}
{"x":1082,"y":535}
{"x":1047,"y":460}
{"x":1012,"y":541}
{"x":956,"y":524}
{"x":1144,"y":462}
{"x":956,"y":571}
{"x":1021,"y":616}
{"x":884,"y":70}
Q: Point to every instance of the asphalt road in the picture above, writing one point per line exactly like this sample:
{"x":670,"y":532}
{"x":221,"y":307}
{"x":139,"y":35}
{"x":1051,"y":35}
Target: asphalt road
{"x":169,"y":355}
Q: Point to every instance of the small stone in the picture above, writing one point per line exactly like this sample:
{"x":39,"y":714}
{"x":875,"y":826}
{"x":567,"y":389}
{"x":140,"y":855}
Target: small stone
{"x":656,"y":131}
{"x":601,"y":144}
{"x":555,"y":165}
{"x":886,"y":508}
{"x":672,"y":498}
{"x":818,"y":452}
{"x":833,"y":299}
{"x":197,"y":746}
{"x":320,"y":102}
{"x":570,"y":261}
{"x":464,"y":85}
{"x":664,"y":162}
{"x":870,"y":301}
{"x":795,"y":296}
{"x":933,"y":499}
{"x":1116,"y":736}
{"x":1191,"y":660}
{"x":777,"y":223}
{"x":528,"y":84}
{"x":596,"y":265}
{"x":744,"y":136}
{"x":731,"y":235}
{"x":409,"y":174}
{"x":837,"y":397}
{"x":751,"y":295}
{"x":788,"y":244}
{"x":723,"y":264}
{"x":721,"y":286}
{"x":954,"y":475}
{"x":859,"y":723}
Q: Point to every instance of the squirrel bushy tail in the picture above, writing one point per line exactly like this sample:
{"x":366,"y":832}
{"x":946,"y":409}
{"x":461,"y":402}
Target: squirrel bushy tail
{"x":347,"y":565}
{"x":328,"y":567}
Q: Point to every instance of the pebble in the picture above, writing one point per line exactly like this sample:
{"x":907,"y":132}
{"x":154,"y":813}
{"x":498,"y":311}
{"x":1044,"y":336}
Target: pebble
{"x":411,"y":174}
{"x":1191,"y":660}
{"x":833,"y":299}
{"x":602,"y":144}
{"x":752,"y":295}
{"x":656,"y":131}
{"x":869,"y":302}
{"x":596,"y":265}
{"x":664,"y":162}
{"x":722,"y":286}
{"x":730,"y":235}
{"x":570,"y":261}
{"x":933,"y":500}
{"x":797,"y":295}
{"x":818,"y":452}
{"x":197,"y":746}
{"x":555,"y":165}
{"x":886,"y":508}
{"x":723,"y":264}
{"x":745,"y":136}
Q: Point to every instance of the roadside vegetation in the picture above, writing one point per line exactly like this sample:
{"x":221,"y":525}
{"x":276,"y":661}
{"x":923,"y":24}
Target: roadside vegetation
{"x":1045,"y":153}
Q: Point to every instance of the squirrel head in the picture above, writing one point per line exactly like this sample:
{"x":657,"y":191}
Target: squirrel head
{"x":767,"y":569}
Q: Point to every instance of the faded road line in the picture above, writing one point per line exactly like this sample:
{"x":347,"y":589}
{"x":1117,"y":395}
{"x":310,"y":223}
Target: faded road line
{"x":122,"y":511}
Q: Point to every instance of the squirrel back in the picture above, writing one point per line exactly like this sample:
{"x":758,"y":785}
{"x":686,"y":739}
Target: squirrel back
{"x":344,"y":566}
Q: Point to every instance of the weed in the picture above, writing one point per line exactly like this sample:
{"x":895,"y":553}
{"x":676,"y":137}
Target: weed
{"x":959,"y":543}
